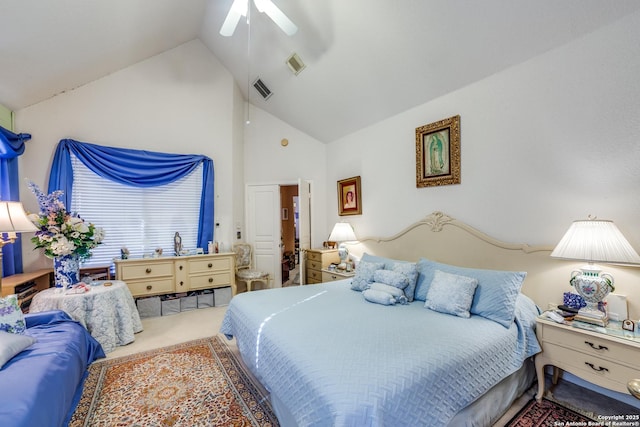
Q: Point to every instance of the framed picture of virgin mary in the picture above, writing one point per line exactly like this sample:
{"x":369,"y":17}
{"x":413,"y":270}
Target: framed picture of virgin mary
{"x":438,"y":153}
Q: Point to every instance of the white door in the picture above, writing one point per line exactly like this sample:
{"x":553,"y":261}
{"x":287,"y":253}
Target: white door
{"x":304,"y":221}
{"x":263,"y":229}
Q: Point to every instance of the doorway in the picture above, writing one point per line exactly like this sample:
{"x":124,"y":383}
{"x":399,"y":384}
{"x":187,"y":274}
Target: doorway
{"x":289,"y":228}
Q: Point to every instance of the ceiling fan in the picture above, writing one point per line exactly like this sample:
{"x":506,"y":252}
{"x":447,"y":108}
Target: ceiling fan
{"x":239,"y":8}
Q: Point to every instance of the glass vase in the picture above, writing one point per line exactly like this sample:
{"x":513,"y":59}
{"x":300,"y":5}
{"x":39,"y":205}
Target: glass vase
{"x":66,"y":270}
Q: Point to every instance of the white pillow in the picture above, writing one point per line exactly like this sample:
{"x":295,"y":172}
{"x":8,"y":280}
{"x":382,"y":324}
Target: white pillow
{"x":451,"y":293}
{"x":12,"y":344}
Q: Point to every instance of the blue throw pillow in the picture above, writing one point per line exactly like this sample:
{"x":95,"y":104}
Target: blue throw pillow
{"x":407,"y":268}
{"x":391,"y":278}
{"x":495,"y":296}
{"x":364,"y":275}
{"x":451,"y":294}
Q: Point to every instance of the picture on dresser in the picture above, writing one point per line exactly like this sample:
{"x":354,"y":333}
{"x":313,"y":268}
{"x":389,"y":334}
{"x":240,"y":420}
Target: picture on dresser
{"x":349,"y":196}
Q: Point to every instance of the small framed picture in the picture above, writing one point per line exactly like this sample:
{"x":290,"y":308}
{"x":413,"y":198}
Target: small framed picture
{"x":628,"y":325}
{"x":349,"y":197}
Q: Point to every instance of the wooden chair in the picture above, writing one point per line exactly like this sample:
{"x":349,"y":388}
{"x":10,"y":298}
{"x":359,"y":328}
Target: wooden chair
{"x":244,"y":271}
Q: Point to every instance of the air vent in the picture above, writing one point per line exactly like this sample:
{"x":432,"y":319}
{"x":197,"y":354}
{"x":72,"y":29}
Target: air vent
{"x":295,"y":63}
{"x":262,"y":88}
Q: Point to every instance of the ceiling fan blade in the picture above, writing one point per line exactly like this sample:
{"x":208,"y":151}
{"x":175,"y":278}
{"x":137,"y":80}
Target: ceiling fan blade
{"x":276,"y":16}
{"x":237,"y":11}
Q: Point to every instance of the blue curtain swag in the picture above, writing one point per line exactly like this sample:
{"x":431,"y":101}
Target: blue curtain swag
{"x":138,"y":168}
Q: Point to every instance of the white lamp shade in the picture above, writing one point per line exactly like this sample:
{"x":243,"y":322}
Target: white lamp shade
{"x":595,"y":241}
{"x":13,"y":218}
{"x":342,"y":232}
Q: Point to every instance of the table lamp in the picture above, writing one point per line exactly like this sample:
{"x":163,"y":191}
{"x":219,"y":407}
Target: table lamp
{"x":342,"y":232}
{"x":13,"y":219}
{"x":594,"y":240}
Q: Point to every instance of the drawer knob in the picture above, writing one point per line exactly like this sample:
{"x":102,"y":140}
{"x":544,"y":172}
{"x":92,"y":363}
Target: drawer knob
{"x":181,"y":283}
{"x":210,"y":279}
{"x":599,"y":368}
{"x":210,"y":265}
{"x":180,"y":267}
{"x":148,"y":270}
{"x":149,"y":287}
{"x":596,"y":347}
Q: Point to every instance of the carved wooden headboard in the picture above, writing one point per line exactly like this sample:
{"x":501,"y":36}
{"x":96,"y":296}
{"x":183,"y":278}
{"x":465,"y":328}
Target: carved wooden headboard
{"x":442,"y":238}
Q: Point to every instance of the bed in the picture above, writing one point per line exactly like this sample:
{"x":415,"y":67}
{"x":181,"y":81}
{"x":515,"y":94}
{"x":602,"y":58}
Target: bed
{"x":331,"y":356}
{"x":41,"y":385}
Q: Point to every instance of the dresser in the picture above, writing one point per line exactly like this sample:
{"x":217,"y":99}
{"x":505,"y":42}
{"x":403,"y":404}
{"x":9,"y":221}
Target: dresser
{"x":602,"y":356}
{"x":317,"y":260}
{"x":166,"y":275}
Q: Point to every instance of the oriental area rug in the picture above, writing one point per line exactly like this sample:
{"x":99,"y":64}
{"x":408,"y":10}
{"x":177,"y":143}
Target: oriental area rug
{"x":198,"y":383}
{"x":548,"y":414}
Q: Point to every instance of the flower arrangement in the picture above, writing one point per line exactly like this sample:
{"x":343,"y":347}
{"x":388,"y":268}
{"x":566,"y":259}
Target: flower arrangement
{"x":60,"y":232}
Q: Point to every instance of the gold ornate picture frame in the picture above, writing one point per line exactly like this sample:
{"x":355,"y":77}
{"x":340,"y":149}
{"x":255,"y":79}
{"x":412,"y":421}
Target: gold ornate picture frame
{"x":438,"y":153}
{"x":349,"y":196}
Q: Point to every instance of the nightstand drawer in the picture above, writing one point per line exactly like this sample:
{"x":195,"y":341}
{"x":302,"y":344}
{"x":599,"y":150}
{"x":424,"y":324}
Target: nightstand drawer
{"x":592,"y":345}
{"x":594,"y":369}
{"x":314,"y":256}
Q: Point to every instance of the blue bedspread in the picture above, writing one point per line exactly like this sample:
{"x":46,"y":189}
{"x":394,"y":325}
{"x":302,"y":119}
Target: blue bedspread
{"x":333,"y":359}
{"x":41,"y":385}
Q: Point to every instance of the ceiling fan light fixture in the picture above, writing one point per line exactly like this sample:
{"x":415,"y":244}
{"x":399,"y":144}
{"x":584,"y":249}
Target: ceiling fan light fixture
{"x":239,"y":8}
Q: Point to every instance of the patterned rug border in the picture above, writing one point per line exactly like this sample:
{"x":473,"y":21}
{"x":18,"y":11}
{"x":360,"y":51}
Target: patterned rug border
{"x":225,"y":358}
{"x":533,"y":401}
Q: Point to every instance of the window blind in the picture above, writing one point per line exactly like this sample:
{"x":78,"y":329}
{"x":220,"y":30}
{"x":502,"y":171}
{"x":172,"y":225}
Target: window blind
{"x":140,"y":219}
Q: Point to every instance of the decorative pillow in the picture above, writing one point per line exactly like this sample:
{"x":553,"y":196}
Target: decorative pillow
{"x":409,"y":270}
{"x":364,"y":275}
{"x":11,"y":317}
{"x":379,"y":297}
{"x":12,"y":344}
{"x":391,"y":278}
{"x":451,"y":294}
{"x":398,"y":294}
{"x":495,"y":296}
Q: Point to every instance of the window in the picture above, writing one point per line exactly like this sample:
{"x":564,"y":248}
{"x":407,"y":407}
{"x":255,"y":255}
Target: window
{"x":140,"y":219}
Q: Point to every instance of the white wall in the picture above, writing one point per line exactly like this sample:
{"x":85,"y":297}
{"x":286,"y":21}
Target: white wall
{"x":180,"y":101}
{"x":268,"y":162}
{"x":543,"y":143}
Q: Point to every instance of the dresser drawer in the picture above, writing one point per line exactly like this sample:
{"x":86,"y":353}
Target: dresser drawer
{"x":592,"y":368}
{"x":592,"y":345}
{"x":212,"y":280}
{"x":151,"y":287}
{"x":314,"y":275}
{"x":328,"y":276}
{"x":314,"y":265}
{"x":144,"y":271}
{"x":210,"y":264}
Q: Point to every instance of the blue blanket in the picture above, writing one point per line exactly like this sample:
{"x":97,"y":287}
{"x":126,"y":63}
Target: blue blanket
{"x":42,"y":385}
{"x":333,"y":359}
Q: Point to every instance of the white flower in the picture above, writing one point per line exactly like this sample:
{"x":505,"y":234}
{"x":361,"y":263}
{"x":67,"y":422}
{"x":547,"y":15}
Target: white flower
{"x":62,"y":246}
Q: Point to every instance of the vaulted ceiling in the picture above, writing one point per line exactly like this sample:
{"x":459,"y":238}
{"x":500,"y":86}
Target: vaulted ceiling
{"x":366,"y":60}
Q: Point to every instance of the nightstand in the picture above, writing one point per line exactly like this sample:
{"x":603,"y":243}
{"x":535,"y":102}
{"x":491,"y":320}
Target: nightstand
{"x":331,"y":276}
{"x":608,"y":357}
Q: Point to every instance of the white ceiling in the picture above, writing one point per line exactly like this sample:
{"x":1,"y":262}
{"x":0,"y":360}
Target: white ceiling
{"x":366,"y":59}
